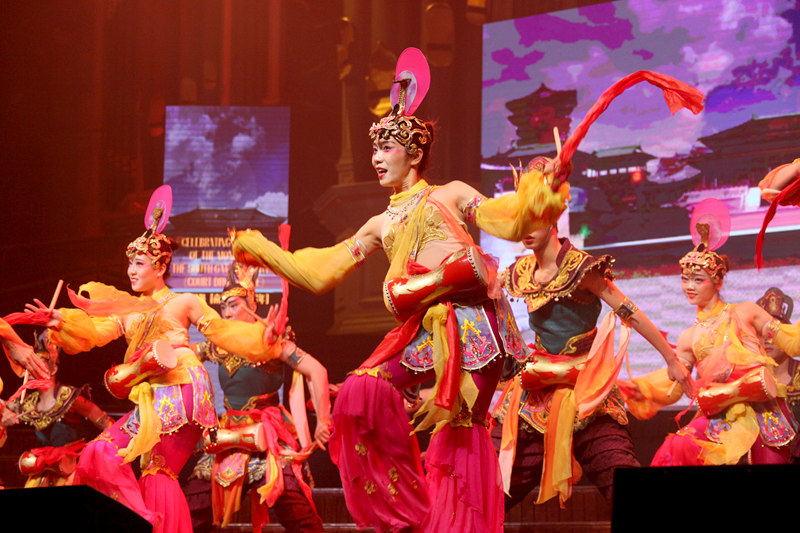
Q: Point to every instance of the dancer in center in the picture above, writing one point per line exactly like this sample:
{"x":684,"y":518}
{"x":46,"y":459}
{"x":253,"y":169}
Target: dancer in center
{"x":455,"y":325}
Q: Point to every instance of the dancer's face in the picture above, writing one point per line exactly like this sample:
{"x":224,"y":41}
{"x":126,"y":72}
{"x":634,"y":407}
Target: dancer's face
{"x":144,"y":277}
{"x":392,"y":163}
{"x":235,"y":308}
{"x":537,"y":239}
{"x":698,"y":286}
{"x":773,"y":351}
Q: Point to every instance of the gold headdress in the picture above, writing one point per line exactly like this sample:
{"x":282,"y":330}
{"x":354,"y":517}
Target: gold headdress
{"x":702,"y":257}
{"x":156,"y":246}
{"x":241,"y":282}
{"x":45,"y":349}
{"x":413,"y":78}
{"x":408,"y":130}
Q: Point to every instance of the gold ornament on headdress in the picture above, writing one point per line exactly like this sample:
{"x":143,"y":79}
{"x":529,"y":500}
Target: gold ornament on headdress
{"x":408,"y":130}
{"x":241,"y":282}
{"x":155,"y":246}
{"x":703,"y":258}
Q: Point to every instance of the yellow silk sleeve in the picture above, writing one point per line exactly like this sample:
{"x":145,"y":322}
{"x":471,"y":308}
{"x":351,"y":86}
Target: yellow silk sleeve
{"x":534,"y":206}
{"x":317,"y":270}
{"x":787,"y":338}
{"x":79,"y":332}
{"x":245,"y":339}
{"x":657,"y":391}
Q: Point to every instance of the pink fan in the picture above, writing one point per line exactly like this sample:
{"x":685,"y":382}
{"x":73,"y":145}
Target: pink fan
{"x":161,"y":198}
{"x":715,"y":213}
{"x":411,"y":65}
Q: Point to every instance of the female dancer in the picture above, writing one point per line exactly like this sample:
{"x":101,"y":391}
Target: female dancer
{"x":57,"y":412}
{"x":161,"y":375}
{"x":257,"y":449}
{"x":452,"y":328}
{"x":735,"y":383}
{"x":787,"y":373}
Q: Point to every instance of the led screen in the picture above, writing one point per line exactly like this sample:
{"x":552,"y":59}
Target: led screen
{"x":640,"y":172}
{"x":228,"y":168}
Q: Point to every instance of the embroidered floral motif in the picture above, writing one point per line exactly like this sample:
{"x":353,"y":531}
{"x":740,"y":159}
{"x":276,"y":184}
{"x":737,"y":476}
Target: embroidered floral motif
{"x":231,"y":467}
{"x":168,"y":403}
{"x":131,"y":425}
{"x":204,"y":412}
{"x":375,"y":372}
{"x":158,"y":464}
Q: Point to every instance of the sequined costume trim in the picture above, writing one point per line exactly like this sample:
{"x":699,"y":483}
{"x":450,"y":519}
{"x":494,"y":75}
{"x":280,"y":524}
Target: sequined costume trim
{"x":65,"y":397}
{"x":573,"y":264}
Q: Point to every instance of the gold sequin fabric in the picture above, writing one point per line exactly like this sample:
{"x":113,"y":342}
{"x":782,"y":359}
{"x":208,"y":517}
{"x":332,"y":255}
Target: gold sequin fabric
{"x":573,"y":264}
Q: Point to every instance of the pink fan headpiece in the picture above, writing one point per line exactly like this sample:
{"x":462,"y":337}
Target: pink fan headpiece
{"x":411,"y":83}
{"x":710,"y":227}
{"x":152,"y":243}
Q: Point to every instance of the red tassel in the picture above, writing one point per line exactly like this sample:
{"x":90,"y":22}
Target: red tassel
{"x":770,"y":214}
{"x":677,"y":94}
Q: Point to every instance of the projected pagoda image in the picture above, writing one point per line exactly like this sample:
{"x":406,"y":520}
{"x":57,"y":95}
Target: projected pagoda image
{"x":228,"y":168}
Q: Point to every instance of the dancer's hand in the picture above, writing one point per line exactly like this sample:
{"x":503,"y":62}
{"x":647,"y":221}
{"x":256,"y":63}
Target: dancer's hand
{"x":630,"y":389}
{"x":8,"y":418}
{"x":678,"y":372}
{"x":554,"y":168}
{"x":24,"y":356}
{"x":270,"y":333}
{"x":322,"y":433}
{"x":43,"y":315}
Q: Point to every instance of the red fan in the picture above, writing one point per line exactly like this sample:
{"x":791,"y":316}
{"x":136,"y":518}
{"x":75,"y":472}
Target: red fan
{"x":715,"y":213}
{"x":161,"y":197}
{"x":412,"y":66}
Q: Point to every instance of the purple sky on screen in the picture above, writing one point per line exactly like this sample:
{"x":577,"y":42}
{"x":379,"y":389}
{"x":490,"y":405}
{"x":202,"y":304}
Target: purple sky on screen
{"x":748,"y":65}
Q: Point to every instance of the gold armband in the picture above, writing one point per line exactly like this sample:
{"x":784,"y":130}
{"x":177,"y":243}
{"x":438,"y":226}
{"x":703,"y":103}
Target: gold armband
{"x":471,"y":206}
{"x":356,"y":249}
{"x":771,"y":329}
{"x":626,"y":310}
{"x":203,"y":323}
{"x":293,"y":361}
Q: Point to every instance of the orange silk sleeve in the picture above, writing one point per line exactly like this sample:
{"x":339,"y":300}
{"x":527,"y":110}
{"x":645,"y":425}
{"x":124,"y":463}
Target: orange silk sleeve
{"x":79,"y":332}
{"x":657,"y":391}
